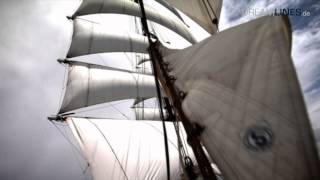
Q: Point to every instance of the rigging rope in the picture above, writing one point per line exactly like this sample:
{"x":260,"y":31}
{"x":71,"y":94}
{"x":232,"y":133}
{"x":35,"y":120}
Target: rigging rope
{"x":124,"y":115}
{"x":78,"y":160}
{"x":146,"y":31}
{"x":74,"y":149}
{"x":128,"y":149}
{"x":159,"y":131}
{"x":69,"y":141}
{"x":94,"y":22}
{"x":114,"y":153}
{"x":63,"y":85}
{"x":180,"y":145}
{"x":100,"y":106}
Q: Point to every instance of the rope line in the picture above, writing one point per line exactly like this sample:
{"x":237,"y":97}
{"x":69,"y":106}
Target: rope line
{"x":69,"y":141}
{"x":74,"y":149}
{"x":63,"y":85}
{"x":114,"y":153}
{"x":96,"y":108}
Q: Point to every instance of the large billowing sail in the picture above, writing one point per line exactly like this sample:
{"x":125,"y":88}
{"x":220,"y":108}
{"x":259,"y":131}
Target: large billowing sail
{"x":242,"y":87}
{"x":204,"y":12}
{"x":125,"y":149}
{"x":91,"y":38}
{"x":132,"y":8}
{"x":90,"y":84}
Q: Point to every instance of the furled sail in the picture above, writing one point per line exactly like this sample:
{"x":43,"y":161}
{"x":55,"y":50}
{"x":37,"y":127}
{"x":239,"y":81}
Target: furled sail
{"x":90,"y":84}
{"x":204,"y":12}
{"x":126,"y":149}
{"x":131,"y":8}
{"x":247,"y":96}
{"x":91,"y":38}
{"x":147,"y":113}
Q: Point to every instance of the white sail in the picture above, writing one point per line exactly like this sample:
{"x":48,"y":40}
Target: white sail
{"x":203,"y":12}
{"x":134,"y":62}
{"x":148,"y":113}
{"x":131,"y":8}
{"x":242,"y":87}
{"x":124,"y":149}
{"x":91,"y":38}
{"x":91,"y":84}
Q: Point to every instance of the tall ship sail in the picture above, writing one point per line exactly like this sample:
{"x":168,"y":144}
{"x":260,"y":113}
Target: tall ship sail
{"x":149,"y":100}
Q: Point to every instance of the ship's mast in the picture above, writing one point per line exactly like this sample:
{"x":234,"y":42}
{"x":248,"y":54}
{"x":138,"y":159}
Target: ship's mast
{"x":193,"y":130}
{"x":146,"y":32}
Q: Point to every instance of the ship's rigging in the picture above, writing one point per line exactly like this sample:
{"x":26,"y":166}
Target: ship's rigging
{"x":216,"y":88}
{"x":193,"y":130}
{"x":141,"y":61}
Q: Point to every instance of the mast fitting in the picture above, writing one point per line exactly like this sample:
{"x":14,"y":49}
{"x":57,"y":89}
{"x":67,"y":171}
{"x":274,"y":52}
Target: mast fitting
{"x":196,"y":131}
{"x":56,"y":118}
{"x":189,"y":167}
{"x":63,"y":61}
{"x":172,"y":79}
{"x":59,"y":117}
{"x":70,"y":17}
{"x":182,"y":94}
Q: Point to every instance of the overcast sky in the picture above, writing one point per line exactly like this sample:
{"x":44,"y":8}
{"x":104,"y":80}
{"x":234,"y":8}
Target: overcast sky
{"x":34,"y":33}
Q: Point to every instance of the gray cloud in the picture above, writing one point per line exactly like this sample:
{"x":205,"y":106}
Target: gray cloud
{"x":33,"y":35}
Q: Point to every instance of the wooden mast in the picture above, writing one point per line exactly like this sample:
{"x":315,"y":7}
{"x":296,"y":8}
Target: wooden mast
{"x":193,"y":130}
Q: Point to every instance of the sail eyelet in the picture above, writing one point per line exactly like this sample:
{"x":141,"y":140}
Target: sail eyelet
{"x":182,"y":94}
{"x":172,"y":78}
{"x":258,"y":138}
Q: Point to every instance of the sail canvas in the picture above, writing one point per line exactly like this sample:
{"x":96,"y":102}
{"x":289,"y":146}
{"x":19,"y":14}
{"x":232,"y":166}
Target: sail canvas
{"x":244,"y":91}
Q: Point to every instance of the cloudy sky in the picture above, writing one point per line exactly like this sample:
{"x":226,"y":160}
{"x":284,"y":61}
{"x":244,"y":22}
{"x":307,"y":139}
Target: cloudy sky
{"x":34,"y":33}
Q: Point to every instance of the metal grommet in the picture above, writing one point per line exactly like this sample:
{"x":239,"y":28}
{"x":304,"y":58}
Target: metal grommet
{"x":258,"y":138}
{"x":182,"y":94}
{"x":172,"y":78}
